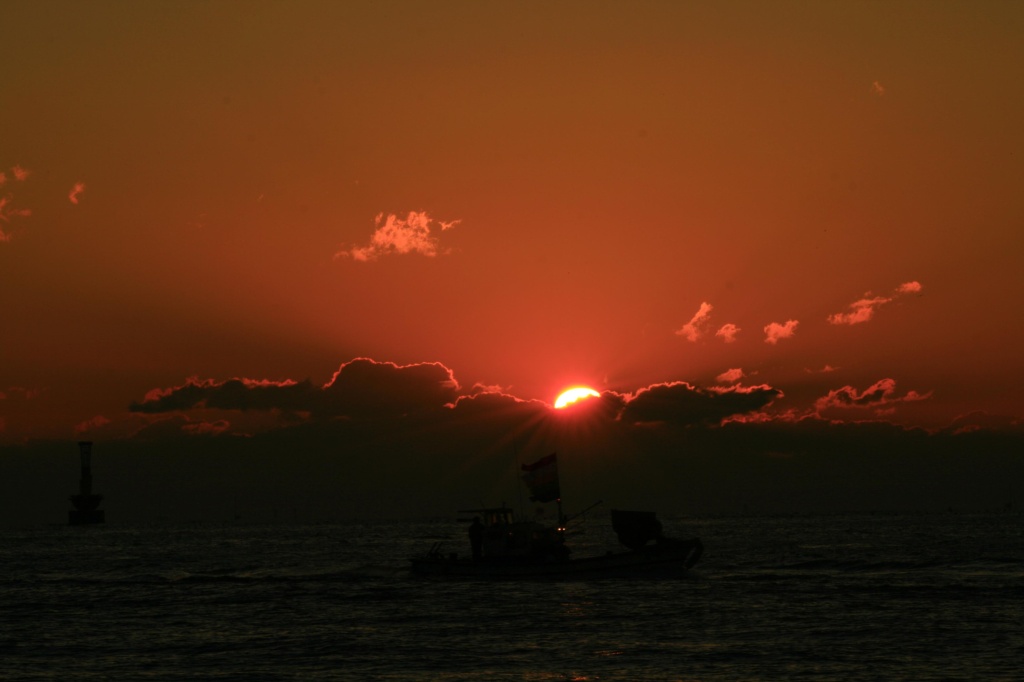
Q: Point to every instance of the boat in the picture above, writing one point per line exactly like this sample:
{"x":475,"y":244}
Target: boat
{"x":527,"y":549}
{"x":505,"y":547}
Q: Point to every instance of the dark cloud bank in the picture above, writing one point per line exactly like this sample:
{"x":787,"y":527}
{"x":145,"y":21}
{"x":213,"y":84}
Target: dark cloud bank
{"x":408,"y":441}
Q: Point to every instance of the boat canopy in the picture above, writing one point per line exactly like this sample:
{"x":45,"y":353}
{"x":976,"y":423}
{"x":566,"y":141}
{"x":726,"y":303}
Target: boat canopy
{"x":636,"y":528}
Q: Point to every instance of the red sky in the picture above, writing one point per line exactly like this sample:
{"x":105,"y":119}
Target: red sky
{"x":820,"y":199}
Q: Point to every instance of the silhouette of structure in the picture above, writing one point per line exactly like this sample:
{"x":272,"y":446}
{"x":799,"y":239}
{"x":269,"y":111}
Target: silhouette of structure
{"x":86,"y":502}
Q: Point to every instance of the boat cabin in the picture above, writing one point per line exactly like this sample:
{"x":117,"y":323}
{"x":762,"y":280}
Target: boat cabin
{"x":493,"y":516}
{"x":504,"y":536}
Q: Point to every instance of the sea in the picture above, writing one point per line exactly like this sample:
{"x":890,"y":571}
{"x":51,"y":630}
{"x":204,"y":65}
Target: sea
{"x":936,"y":596}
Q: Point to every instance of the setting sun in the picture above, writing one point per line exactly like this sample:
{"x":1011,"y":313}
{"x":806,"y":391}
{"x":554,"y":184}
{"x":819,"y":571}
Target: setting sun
{"x":573,"y":395}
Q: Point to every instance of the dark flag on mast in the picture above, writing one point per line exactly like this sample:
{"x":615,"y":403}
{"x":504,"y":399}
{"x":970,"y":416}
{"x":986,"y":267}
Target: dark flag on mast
{"x":541,"y":478}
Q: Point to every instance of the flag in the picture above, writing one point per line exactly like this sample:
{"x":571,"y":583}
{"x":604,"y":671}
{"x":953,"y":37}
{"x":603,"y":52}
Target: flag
{"x":541,"y":478}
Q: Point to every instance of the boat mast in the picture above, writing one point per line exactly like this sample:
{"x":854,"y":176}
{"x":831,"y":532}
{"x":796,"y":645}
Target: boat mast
{"x":561,"y":517}
{"x":519,"y":479}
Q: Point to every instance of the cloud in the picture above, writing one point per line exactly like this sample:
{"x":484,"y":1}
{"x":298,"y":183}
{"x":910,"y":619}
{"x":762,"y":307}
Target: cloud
{"x":877,"y":88}
{"x":363,"y":392}
{"x":775,"y":331}
{"x":206,"y":428}
{"x":413,"y":234}
{"x":367,"y":387}
{"x":233,"y":394}
{"x":92,"y":424}
{"x":864,"y":309}
{"x":361,"y":387}
{"x":693,"y":329}
{"x":169,"y":428}
{"x":19,"y":173}
{"x":728,"y":332}
{"x":497,"y":410}
{"x":76,"y":191}
{"x":486,"y":388}
{"x":860,"y":311}
{"x":436,"y":445}
{"x":680,"y":403}
{"x":979,"y":420}
{"x":730,"y":376}
{"x":880,"y":396}
{"x":791,"y":416}
{"x":7,"y":211}
{"x":21,"y":393}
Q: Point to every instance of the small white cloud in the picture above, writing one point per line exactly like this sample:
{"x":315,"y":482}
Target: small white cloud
{"x":76,"y":191}
{"x":394,"y":235}
{"x":860,"y":311}
{"x":693,"y":329}
{"x":7,"y":213}
{"x":864,"y":309}
{"x":775,"y":331}
{"x":730,"y":376}
{"x":728,"y":332}
{"x":880,"y":396}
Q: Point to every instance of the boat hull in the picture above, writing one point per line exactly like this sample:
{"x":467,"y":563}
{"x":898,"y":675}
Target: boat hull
{"x":659,"y":561}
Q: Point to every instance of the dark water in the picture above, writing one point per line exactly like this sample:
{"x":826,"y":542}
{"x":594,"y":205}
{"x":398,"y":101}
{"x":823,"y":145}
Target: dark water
{"x":858,"y":597}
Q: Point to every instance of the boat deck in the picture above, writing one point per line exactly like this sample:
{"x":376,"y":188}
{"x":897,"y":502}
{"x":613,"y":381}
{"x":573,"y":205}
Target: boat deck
{"x":670,"y":559}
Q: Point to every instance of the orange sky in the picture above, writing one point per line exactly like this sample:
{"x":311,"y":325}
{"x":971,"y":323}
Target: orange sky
{"x":534,"y":195}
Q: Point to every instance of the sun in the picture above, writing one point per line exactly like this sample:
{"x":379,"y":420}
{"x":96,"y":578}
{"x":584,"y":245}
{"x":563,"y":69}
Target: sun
{"x":573,"y":395}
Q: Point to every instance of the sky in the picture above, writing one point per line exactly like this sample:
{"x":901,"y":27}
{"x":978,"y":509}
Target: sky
{"x":376,"y":240}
